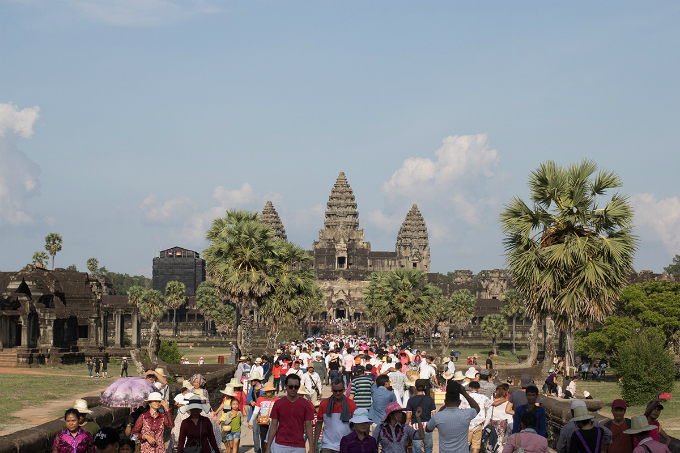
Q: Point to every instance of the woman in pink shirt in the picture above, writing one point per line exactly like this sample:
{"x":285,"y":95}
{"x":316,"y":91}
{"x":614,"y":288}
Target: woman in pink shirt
{"x":527,"y":437}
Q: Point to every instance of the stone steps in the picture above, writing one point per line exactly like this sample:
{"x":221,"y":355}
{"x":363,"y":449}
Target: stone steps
{"x":8,"y":358}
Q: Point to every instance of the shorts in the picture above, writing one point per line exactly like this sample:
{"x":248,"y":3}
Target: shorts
{"x":231,"y":436}
{"x":475,"y":437}
{"x":277,"y":448}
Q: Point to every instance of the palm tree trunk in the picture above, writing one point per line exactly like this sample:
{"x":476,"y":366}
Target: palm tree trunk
{"x":514,"y":335}
{"x":174,"y":322}
{"x":52,"y":262}
{"x":493,"y":343}
{"x":549,"y":342}
{"x":154,"y":344}
{"x":570,"y":356}
{"x":533,"y":348}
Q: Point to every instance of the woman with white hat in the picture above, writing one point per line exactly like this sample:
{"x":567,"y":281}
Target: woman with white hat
{"x":196,"y":430}
{"x":149,"y":426}
{"x":359,"y":440}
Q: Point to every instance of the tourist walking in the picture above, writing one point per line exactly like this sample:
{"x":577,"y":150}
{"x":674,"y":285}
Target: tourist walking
{"x":277,"y":371}
{"x":157,"y":379}
{"x":124,"y":367}
{"x":641,"y":430}
{"x":486,"y":385}
{"x":392,"y":433}
{"x":73,"y":439}
{"x":196,"y":430}
{"x":149,"y":426}
{"x":652,"y":413}
{"x":397,"y":382}
{"x":291,"y":418}
{"x":498,"y":419}
{"x":477,"y":424}
{"x":381,"y":397}
{"x":530,"y":406}
{"x":197,"y":382}
{"x":83,"y":417}
{"x":90,"y":365}
{"x":334,"y":416}
{"x":107,"y":440}
{"x":587,"y":438}
{"x":105,"y":366}
{"x":97,"y":366}
{"x":526,"y":438}
{"x":312,"y":382}
{"x":359,"y":440}
{"x":261,"y":414}
{"x":255,"y":380}
{"x":564,"y":441}
{"x":360,"y":391}
{"x":426,"y":403}
{"x":231,"y":427}
{"x":621,"y":442}
{"x":453,"y":423}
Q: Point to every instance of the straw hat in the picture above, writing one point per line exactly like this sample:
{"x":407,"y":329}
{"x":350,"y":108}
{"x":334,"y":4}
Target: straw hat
{"x":411,"y":381}
{"x":392,"y":407}
{"x":448,"y":375}
{"x":235,"y":383}
{"x":258,"y":360}
{"x":81,"y":406}
{"x":242,"y":358}
{"x":180,"y":400}
{"x":255,"y":376}
{"x":278,"y":351}
{"x":360,"y":416}
{"x":471,"y":372}
{"x":268,"y":387}
{"x":154,"y":396}
{"x":638,"y":424}
{"x":581,"y":414}
{"x":303,"y":391}
{"x":586,"y":394}
{"x":187,"y":384}
{"x":458,"y":376}
{"x":194,"y":402}
{"x":160,"y":371}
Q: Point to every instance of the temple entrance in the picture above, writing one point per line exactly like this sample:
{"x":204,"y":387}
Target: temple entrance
{"x":340,"y":313}
{"x":17,"y":334}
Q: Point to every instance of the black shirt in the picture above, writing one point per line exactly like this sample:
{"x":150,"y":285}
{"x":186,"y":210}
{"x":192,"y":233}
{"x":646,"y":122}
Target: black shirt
{"x":590,"y":437}
{"x":424,"y":401}
{"x":489,"y":364}
{"x":334,"y":365}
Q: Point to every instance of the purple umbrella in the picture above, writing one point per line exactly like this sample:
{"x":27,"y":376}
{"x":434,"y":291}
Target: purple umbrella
{"x":127,"y":392}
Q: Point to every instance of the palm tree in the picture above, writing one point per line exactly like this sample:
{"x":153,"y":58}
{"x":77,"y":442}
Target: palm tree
{"x":295,"y":293}
{"x":135,"y":294}
{"x":224,"y":317}
{"x":568,"y":256}
{"x":402,"y":299}
{"x":495,"y":327}
{"x":92,"y":265}
{"x":53,"y":243}
{"x":456,"y":311}
{"x":39,"y":259}
{"x":514,"y":307}
{"x":152,"y":308}
{"x":240,"y":260}
{"x":207,"y":302}
{"x":174,"y":298}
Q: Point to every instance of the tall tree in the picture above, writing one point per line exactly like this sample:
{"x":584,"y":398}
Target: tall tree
{"x":240,"y":260}
{"x":72,"y":267}
{"x":494,"y":327}
{"x":674,"y":268}
{"x":152,"y":308}
{"x":53,"y":244}
{"x":455,"y":311}
{"x":224,"y":317}
{"x":92,"y":265}
{"x":175,"y":296}
{"x":513,"y":308}
{"x":402,"y":299}
{"x":135,"y":294}
{"x":208,"y":303}
{"x":568,"y":256}
{"x":40,"y":258}
{"x":295,"y":293}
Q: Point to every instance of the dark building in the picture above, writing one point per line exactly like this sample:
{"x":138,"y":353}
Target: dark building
{"x":178,"y":264}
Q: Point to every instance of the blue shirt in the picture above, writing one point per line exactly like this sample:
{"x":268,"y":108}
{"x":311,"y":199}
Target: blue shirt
{"x":249,"y":399}
{"x":540,"y":417}
{"x":381,"y":398}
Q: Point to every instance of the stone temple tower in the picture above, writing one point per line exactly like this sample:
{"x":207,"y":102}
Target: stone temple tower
{"x":413,"y":250}
{"x":271,"y":217}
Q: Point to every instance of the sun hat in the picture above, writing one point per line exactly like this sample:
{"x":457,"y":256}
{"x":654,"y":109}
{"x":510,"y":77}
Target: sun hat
{"x":235,"y":383}
{"x":360,"y":416}
{"x":154,"y":396}
{"x":639,"y":424}
{"x":447,"y":375}
{"x":446,"y":360}
{"x":242,"y":357}
{"x":392,"y":407}
{"x":458,"y":376}
{"x":619,"y":403}
{"x":229,"y":391}
{"x":258,"y":360}
{"x":411,"y":382}
{"x":180,"y":400}
{"x":187,"y":384}
{"x":268,"y":387}
{"x":586,"y":394}
{"x":471,"y":372}
{"x":255,"y":376}
{"x":278,"y":351}
{"x":311,"y":365}
{"x":160,"y":371}
{"x":551,"y":370}
{"x":581,"y":414}
{"x":303,"y":391}
{"x":525,"y":380}
{"x":194,"y":402}
{"x":577,"y":403}
{"x":81,"y":407}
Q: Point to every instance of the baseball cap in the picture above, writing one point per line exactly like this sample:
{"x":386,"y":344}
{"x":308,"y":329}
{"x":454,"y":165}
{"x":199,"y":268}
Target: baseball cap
{"x":659,"y":405}
{"x":619,"y":403}
{"x":105,"y":437}
{"x":525,"y":380}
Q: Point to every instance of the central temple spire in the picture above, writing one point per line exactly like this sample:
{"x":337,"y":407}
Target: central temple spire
{"x":341,"y":212}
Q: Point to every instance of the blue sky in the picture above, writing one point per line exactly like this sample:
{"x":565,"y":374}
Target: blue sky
{"x":127,"y":126}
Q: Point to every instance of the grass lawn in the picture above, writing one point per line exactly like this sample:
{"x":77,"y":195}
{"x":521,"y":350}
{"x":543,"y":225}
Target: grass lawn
{"x":208,"y":354}
{"x":32,"y":390}
{"x":504,"y":355}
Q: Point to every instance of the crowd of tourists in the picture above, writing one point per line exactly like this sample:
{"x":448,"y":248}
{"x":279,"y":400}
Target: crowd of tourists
{"x":383,"y":397}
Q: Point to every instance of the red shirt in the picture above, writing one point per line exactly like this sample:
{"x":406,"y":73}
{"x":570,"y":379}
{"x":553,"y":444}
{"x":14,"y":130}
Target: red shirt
{"x":292,"y":416}
{"x":276,"y":371}
{"x":621,"y":442}
{"x":189,"y":431}
{"x":337,"y":408}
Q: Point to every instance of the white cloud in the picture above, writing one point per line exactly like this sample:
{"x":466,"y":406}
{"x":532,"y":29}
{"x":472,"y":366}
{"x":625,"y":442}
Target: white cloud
{"x":658,"y":220}
{"x":464,"y":157}
{"x":236,"y":197}
{"x":382,"y":221}
{"x":172,"y":212}
{"x":143,"y":13}
{"x":18,"y":174}
{"x":305,"y":217}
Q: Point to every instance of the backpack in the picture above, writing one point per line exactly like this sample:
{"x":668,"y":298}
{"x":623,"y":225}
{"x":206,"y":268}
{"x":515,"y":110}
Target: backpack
{"x":490,"y":438}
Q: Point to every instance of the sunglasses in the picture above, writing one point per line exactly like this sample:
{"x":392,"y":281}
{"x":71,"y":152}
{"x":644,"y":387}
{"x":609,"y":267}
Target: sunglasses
{"x":294,"y":387}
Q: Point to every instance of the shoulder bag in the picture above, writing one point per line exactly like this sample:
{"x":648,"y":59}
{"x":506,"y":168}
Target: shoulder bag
{"x":263,"y":419}
{"x":518,"y":444}
{"x":195,"y":445}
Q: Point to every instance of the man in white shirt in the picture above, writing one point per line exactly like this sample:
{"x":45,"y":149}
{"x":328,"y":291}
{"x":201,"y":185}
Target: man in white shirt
{"x":312,"y":382}
{"x":450,"y":366}
{"x":428,"y":372}
{"x":481,"y":419}
{"x":257,"y":367}
{"x":305,"y":358}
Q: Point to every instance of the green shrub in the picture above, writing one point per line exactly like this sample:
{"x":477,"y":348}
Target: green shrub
{"x":289,"y":333}
{"x":168,"y":353}
{"x":645,"y":366}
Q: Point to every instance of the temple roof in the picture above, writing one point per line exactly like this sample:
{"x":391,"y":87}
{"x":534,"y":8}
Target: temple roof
{"x":271,"y":217}
{"x":341,"y":210}
{"x":413,"y":232}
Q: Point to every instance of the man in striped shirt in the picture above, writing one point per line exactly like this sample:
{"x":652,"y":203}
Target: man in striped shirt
{"x":361,"y":389}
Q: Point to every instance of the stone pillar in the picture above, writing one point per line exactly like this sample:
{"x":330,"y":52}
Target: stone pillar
{"x":92,"y":331}
{"x":24,"y":331}
{"x":46,"y":338}
{"x":4,"y":332}
{"x":135,"y":329}
{"x":102,"y":331}
{"x":117,"y":322}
